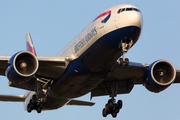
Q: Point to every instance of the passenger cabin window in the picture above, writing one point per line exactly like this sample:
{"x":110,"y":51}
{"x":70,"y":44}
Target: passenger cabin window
{"x":128,"y":9}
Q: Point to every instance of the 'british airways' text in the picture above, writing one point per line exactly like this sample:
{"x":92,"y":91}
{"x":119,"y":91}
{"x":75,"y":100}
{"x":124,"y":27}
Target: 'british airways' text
{"x":85,"y":40}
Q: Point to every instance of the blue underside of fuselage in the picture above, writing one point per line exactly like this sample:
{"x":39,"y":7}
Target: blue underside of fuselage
{"x":106,"y":49}
{"x":86,"y":72}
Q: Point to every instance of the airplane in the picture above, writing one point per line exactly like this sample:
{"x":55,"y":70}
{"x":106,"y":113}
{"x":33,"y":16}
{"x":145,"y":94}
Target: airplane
{"x":93,"y":62}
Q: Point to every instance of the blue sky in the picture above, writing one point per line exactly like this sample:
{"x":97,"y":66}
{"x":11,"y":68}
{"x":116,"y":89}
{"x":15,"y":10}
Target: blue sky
{"x":55,"y":23}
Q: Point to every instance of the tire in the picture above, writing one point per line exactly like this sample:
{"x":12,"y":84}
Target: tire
{"x":121,"y":61}
{"x":34,"y":99}
{"x":110,"y":107}
{"x":29,"y":108}
{"x":39,"y":110}
{"x":107,"y":108}
{"x":31,"y":101}
{"x":110,"y":101}
{"x":104,"y":113}
{"x":119,"y":104}
{"x":114,"y":115}
{"x":44,"y":100}
{"x":116,"y":110}
{"x":41,"y":105}
{"x":126,"y":62}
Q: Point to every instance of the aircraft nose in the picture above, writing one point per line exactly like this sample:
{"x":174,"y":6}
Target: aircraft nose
{"x":135,"y":19}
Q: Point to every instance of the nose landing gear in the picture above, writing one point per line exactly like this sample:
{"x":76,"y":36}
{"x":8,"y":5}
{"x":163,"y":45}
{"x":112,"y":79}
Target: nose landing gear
{"x":125,"y":45}
{"x":123,"y":61}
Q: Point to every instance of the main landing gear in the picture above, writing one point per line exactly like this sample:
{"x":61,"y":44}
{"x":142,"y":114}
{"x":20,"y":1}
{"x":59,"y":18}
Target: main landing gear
{"x":112,"y":108}
{"x":40,"y":97}
{"x":36,"y":103}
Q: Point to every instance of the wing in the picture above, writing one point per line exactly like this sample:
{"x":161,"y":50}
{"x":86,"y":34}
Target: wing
{"x":13,"y":98}
{"x":49,"y":68}
{"x":125,"y":77}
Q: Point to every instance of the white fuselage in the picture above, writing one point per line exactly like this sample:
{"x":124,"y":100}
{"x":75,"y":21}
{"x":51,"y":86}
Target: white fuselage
{"x":116,"y":21}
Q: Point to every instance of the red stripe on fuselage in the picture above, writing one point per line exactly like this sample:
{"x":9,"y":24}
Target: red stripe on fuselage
{"x":102,"y":14}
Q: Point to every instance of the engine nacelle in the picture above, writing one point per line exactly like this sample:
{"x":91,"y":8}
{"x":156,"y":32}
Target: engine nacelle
{"x":160,"y":75}
{"x":21,"y":67}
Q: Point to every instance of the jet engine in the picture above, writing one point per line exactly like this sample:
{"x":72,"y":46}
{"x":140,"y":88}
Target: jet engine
{"x":21,"y":67}
{"x":160,"y":75}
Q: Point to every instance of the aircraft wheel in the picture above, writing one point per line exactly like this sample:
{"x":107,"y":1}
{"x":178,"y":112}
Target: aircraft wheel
{"x":104,"y":113}
{"x":114,"y":115}
{"x":109,"y":105}
{"x":39,"y":110}
{"x":34,"y":99}
{"x":110,"y":101}
{"x":44,"y":99}
{"x":29,"y":108}
{"x":119,"y":104}
{"x":116,"y":110}
{"x":107,"y":108}
{"x":126,"y":62}
{"x":121,"y":61}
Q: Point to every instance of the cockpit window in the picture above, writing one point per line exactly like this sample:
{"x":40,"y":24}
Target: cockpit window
{"x":135,"y":9}
{"x":123,"y":9}
{"x":128,"y":9}
{"x":119,"y":11}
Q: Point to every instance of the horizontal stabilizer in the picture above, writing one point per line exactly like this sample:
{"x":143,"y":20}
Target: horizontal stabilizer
{"x":13,"y":98}
{"x":80,"y":103}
